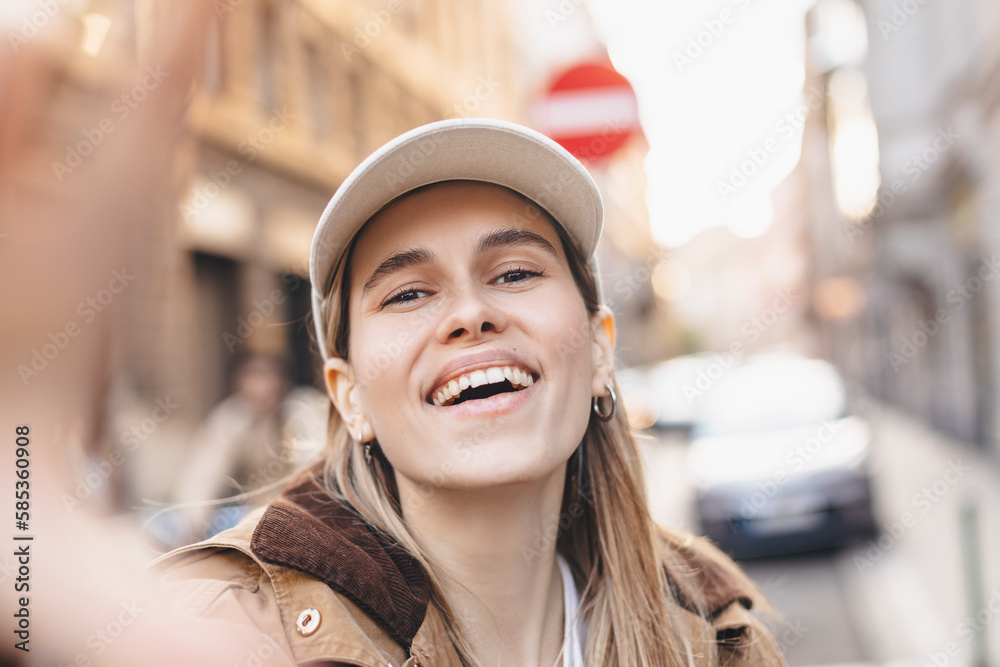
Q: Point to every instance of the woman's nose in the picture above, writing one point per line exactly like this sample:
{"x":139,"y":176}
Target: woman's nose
{"x":471,"y":314}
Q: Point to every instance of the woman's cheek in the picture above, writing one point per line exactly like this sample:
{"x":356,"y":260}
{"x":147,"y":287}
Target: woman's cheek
{"x":379,"y":350}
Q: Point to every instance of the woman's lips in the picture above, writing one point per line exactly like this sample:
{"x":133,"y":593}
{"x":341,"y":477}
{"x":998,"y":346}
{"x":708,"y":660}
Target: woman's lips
{"x":492,"y":405}
{"x":517,"y":377}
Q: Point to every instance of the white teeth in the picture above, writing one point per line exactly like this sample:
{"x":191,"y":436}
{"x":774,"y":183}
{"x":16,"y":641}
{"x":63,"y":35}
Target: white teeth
{"x":477,"y":378}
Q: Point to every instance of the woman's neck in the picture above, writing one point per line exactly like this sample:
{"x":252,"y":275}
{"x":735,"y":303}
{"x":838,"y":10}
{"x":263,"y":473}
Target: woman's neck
{"x":497,"y":551}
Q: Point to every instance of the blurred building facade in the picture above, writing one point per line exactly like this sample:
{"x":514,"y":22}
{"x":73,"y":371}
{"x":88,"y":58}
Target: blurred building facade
{"x":554,"y":36}
{"x":292,"y":95}
{"x":904,"y":283}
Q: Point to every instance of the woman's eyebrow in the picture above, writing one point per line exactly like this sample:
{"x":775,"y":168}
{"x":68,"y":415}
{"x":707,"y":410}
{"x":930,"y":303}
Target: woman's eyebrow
{"x":397,"y":262}
{"x":504,"y":238}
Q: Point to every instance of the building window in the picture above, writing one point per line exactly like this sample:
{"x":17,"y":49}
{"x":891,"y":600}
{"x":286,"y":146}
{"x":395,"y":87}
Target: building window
{"x":359,"y":84}
{"x":317,"y":90}
{"x":302,"y":352}
{"x":267,"y":33}
{"x":217,"y":293}
{"x":214,"y":72}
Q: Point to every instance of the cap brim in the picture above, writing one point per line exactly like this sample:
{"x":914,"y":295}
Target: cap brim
{"x":474,"y":149}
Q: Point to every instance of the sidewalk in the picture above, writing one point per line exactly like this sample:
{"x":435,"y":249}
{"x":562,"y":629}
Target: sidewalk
{"x":910,"y":583}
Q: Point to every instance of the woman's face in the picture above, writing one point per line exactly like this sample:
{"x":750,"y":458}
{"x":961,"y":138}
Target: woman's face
{"x":472,"y":357}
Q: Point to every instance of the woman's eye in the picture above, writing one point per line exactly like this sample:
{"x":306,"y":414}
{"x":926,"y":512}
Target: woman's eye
{"x":516,"y":276}
{"x":404,"y":296}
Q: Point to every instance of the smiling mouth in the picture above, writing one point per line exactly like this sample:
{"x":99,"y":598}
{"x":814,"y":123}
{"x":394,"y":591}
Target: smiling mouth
{"x":482,"y":383}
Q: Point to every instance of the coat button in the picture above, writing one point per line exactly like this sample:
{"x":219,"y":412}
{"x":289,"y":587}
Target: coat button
{"x":307,"y":622}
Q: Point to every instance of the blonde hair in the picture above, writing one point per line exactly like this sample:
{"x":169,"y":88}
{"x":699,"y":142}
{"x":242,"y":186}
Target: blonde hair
{"x":616,"y":551}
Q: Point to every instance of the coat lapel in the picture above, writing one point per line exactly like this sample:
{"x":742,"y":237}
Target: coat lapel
{"x":307,"y":531}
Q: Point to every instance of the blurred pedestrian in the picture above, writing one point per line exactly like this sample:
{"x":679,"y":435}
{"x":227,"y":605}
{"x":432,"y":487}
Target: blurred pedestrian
{"x":253,"y":438}
{"x":481,"y":499}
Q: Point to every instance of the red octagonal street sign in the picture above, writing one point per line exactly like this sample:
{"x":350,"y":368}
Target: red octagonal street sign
{"x":590,"y":109}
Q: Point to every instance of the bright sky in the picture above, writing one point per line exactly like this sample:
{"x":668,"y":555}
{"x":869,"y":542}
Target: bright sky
{"x":719,"y":83}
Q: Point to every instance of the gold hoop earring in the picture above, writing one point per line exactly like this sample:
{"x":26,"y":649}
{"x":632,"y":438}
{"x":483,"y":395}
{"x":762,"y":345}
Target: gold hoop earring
{"x":596,"y":405}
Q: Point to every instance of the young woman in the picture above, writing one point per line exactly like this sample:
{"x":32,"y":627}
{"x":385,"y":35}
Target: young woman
{"x":481,"y":499}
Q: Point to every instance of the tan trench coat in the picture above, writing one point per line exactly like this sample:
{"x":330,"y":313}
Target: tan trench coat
{"x":304,"y":581}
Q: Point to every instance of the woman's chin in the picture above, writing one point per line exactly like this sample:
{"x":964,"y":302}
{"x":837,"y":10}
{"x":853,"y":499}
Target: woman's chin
{"x":486,"y":474}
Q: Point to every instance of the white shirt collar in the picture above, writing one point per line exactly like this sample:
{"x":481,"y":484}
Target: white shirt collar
{"x":573,"y":631}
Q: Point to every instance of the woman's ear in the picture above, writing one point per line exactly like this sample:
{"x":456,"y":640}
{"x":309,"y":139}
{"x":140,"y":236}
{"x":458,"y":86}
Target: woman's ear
{"x":603,"y":346}
{"x":343,"y":390}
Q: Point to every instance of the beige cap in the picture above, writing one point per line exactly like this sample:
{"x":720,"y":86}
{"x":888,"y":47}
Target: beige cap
{"x":472,"y":149}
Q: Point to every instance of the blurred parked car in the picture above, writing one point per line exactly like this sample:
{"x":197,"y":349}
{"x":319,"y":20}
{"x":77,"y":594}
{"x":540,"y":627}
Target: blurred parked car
{"x":778,"y":463}
{"x":655,"y":396}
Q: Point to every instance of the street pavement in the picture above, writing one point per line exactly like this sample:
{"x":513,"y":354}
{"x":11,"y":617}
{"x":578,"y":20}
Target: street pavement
{"x":901,"y":598}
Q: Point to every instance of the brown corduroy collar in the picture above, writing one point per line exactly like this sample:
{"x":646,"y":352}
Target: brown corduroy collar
{"x":308,"y":531}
